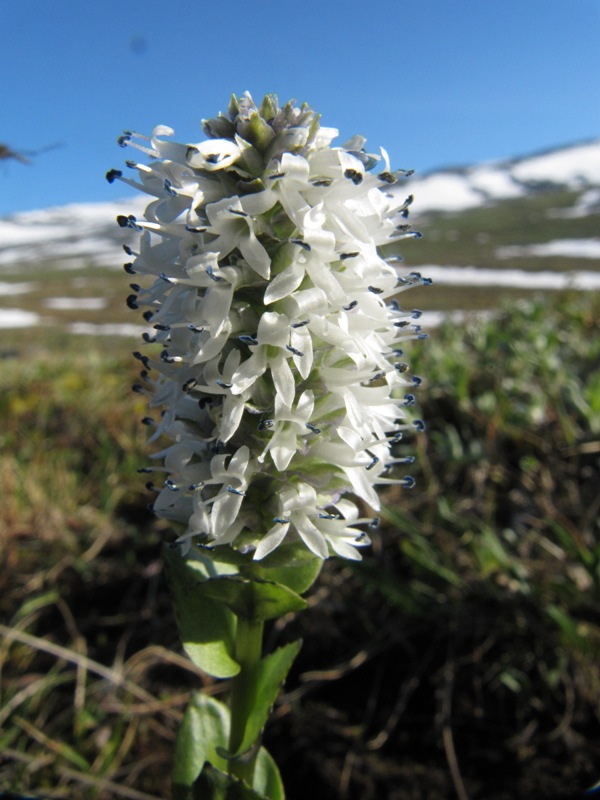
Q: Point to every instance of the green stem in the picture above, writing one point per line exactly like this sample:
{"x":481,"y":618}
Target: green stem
{"x":248,"y":651}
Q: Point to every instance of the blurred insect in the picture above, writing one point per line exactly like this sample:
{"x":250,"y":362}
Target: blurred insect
{"x":25,"y":156}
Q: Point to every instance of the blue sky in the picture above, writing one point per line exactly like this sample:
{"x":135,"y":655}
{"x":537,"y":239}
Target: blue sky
{"x":436,"y":82}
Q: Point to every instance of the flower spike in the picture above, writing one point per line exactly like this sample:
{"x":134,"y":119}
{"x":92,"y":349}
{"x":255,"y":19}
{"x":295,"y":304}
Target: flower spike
{"x":276,"y":310}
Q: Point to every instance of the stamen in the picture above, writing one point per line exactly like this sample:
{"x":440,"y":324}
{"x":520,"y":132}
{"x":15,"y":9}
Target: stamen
{"x":231,"y":490}
{"x":350,"y":306}
{"x":312,"y":428}
{"x":322,"y":182}
{"x":113,"y":174}
{"x":265,"y":424}
{"x":293,"y":350}
{"x":128,"y":222}
{"x":302,"y":244}
{"x":353,"y":175}
{"x":191,"y":229}
{"x":374,"y":460}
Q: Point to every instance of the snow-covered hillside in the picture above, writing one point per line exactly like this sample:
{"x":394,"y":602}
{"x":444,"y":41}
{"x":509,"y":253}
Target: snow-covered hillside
{"x":574,"y":167}
{"x":76,"y":235}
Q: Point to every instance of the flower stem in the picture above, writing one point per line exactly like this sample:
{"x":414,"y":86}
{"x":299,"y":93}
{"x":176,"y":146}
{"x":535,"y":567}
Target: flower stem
{"x":248,"y":651}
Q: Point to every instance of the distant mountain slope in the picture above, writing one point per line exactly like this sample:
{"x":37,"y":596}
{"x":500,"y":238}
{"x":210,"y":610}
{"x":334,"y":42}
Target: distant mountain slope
{"x":479,"y":209}
{"x":575,"y":167}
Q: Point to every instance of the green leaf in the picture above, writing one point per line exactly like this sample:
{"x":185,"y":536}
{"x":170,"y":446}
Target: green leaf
{"x":203,"y":734}
{"x":213,"y":784}
{"x":291,"y":565}
{"x":266,"y":677}
{"x":267,"y":780}
{"x":205,"y":729}
{"x":253,"y":599}
{"x":206,"y":626}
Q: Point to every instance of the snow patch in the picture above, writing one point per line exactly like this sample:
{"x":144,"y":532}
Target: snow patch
{"x":566,"y":248}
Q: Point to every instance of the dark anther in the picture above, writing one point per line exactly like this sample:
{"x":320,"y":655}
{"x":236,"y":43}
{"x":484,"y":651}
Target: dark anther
{"x":122,"y":140}
{"x":145,"y":469}
{"x":265,"y":424}
{"x":128,"y":267}
{"x":137,"y":388}
{"x":312,"y":428}
{"x":160,"y":327}
{"x":276,"y":175}
{"x":231,"y":490}
{"x":294,"y":350}
{"x":191,"y":229}
{"x":401,"y":367}
{"x":387,"y":177}
{"x":224,"y":385}
{"x":419,"y":424}
{"x":408,"y":482}
{"x":135,"y":286}
{"x":416,"y":381}
{"x":131,"y":164}
{"x":169,"y":188}
{"x":128,"y":249}
{"x":375,"y":289}
{"x":195,"y":328}
{"x":147,"y":421}
{"x":237,"y":212}
{"x":147,"y":338}
{"x":416,"y":313}
{"x":191,"y":151}
{"x":132,"y":302}
{"x":354,"y":176}
{"x":350,"y":306}
{"x":113,"y":174}
{"x":205,"y":401}
{"x":344,"y":256}
{"x":374,"y":460}
{"x":329,"y":516}
{"x":249,"y":340}
{"x":281,"y":520}
{"x":401,"y":324}
{"x":409,"y":400}
{"x":303,"y":245}
{"x":147,"y":315}
{"x":128,"y":222}
{"x":189,"y":385}
{"x":374,"y":523}
{"x":322,"y":182}
{"x":300,"y":324}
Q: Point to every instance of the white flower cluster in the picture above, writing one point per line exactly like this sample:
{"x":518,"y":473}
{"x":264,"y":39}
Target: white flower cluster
{"x":280,"y":376}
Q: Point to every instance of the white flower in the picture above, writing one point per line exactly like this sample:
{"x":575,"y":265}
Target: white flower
{"x":276,"y":359}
